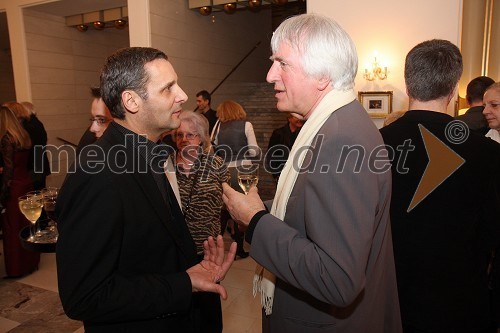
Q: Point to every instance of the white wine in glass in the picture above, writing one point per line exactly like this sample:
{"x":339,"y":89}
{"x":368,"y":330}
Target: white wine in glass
{"x":31,"y":207}
{"x":248,"y":176}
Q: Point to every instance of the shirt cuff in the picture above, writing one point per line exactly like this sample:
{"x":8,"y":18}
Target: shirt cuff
{"x":253,"y":223}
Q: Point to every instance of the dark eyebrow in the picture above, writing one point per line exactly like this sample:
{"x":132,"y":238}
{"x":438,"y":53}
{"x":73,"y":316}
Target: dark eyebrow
{"x":168,"y":85}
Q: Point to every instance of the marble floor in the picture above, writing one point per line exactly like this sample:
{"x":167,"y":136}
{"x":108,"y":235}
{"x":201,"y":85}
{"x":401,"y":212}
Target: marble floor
{"x":31,"y":304}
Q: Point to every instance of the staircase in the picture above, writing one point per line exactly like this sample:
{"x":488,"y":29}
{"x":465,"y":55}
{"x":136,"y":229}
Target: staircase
{"x":260,"y":105}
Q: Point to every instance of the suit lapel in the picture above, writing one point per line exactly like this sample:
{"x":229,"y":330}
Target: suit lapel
{"x":149,"y":187}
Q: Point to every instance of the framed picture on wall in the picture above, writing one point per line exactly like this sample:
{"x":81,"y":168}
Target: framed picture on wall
{"x":378,"y":104}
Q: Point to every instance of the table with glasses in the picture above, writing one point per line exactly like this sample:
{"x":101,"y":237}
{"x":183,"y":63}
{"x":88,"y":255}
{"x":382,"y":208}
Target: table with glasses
{"x":41,"y":235}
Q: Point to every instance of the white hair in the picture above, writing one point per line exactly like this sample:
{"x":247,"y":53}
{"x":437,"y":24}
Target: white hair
{"x":325,"y":49}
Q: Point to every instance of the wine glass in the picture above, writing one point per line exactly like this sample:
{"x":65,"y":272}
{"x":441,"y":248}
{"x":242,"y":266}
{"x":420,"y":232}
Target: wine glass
{"x":49,"y":197}
{"x":31,"y":207}
{"x":248,"y":176}
{"x":38,"y":195}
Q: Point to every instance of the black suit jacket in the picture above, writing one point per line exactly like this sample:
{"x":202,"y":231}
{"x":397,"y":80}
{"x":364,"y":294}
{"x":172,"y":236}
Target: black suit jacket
{"x":121,"y":257}
{"x":211,"y":116}
{"x":441,"y":246}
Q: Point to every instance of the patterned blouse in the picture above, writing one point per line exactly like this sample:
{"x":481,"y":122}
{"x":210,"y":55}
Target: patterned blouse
{"x":201,"y":197}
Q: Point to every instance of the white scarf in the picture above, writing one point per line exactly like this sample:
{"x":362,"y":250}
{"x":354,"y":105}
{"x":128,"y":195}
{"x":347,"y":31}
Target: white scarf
{"x":264,"y":280}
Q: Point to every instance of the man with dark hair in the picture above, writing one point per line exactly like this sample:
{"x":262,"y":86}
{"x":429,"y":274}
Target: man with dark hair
{"x":445,"y":203}
{"x":126,"y":261}
{"x":474,"y":117}
{"x":99,"y":121}
{"x":280,"y":144}
{"x":203,"y":100}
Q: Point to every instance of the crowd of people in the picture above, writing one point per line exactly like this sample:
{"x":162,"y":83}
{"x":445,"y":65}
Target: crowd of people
{"x":390,"y":230}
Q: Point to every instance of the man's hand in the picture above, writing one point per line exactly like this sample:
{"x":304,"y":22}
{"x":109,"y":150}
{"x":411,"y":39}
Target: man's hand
{"x":242,"y":207}
{"x":213,"y":268}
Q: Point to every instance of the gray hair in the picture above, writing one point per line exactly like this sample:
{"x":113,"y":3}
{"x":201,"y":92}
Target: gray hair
{"x":432,"y":70}
{"x":325,"y":49}
{"x":200,"y":124}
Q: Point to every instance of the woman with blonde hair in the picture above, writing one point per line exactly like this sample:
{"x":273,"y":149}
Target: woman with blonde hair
{"x":235,"y":142}
{"x":16,"y":181}
{"x":38,"y":162}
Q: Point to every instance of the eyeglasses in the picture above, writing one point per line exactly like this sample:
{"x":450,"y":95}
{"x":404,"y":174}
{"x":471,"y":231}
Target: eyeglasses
{"x":100,"y":120}
{"x":189,"y":136}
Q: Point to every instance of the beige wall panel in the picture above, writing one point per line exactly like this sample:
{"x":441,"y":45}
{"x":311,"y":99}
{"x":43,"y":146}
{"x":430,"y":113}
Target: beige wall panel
{"x":52,"y":91}
{"x":47,"y":25}
{"x":48,"y":43}
{"x":49,"y":75}
{"x":56,"y":60}
{"x":58,"y":107}
{"x":88,"y":63}
{"x":87,"y":78}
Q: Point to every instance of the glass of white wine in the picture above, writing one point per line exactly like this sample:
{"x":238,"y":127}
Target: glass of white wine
{"x":38,"y":194}
{"x":31,"y":207}
{"x":248,"y":176}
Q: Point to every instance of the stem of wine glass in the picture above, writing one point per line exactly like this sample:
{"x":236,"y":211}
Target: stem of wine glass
{"x":32,"y":232}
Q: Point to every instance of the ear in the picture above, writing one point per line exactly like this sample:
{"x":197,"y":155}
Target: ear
{"x":453,"y":93}
{"x":323,"y":83}
{"x":131,"y":101}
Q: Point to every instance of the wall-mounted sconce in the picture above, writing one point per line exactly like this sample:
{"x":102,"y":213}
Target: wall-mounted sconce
{"x":376,"y":72}
{"x":99,"y":19}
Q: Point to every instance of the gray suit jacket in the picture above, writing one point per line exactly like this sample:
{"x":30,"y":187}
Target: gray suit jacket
{"x":333,"y":253}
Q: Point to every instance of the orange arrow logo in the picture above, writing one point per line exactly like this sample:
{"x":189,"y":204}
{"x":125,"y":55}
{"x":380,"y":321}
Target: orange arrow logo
{"x":443,"y":162}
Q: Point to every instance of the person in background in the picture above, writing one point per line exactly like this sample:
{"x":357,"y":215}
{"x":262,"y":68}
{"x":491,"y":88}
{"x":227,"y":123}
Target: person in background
{"x":203,"y":100}
{"x":235,"y":142}
{"x":473,"y":117}
{"x":126,"y":261}
{"x":15,"y":147}
{"x":38,"y":162}
{"x":99,"y":121}
{"x":326,"y":243}
{"x":442,"y":239}
{"x":196,"y":177}
{"x":491,"y":111}
{"x":280,"y":144}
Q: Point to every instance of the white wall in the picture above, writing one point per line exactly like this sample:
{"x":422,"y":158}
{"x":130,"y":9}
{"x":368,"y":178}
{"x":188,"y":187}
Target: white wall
{"x":392,"y":27}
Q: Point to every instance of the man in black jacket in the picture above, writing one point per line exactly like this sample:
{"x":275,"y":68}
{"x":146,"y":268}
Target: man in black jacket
{"x":126,"y":261}
{"x":445,"y":203}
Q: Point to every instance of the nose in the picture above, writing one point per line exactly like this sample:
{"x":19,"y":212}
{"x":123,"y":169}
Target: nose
{"x":181,"y":97}
{"x":272,"y":74}
{"x":94,"y":128}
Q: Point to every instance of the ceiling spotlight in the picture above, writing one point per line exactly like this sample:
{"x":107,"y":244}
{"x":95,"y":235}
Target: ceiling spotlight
{"x":205,"y":10}
{"x":120,"y":24}
{"x":254,"y":4}
{"x":82,"y":27}
{"x":99,"y":25}
{"x":230,"y":8}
